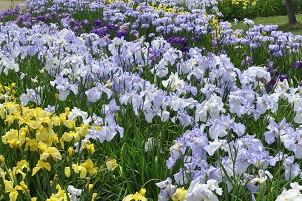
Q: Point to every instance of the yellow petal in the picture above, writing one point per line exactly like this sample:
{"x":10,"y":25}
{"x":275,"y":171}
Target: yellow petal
{"x":93,"y":196}
{"x":41,"y":134}
{"x":13,"y":195}
{"x":23,"y":186}
{"x":35,"y":170}
{"x":142,"y":191}
{"x":70,"y":151}
{"x":111,"y":165}
{"x":47,"y":166}
{"x":67,"y":171}
{"x":82,"y":172}
{"x":128,"y":197}
{"x":8,"y":185}
{"x":33,"y":124}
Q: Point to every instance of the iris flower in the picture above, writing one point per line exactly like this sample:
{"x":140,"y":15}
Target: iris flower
{"x":137,"y":196}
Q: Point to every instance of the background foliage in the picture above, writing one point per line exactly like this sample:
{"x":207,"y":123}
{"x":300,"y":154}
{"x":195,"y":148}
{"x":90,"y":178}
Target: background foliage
{"x":241,"y":9}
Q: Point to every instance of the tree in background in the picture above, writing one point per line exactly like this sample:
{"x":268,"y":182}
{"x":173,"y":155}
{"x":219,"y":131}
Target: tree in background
{"x":290,"y":12}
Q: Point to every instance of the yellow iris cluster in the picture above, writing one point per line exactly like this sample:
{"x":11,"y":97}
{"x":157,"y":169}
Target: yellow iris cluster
{"x":244,"y":3}
{"x":8,"y":177}
{"x":48,"y":136}
{"x":214,"y":22}
{"x":7,"y":93}
{"x":179,"y":195}
{"x":167,"y":9}
{"x":35,"y":128}
{"x":108,"y":2}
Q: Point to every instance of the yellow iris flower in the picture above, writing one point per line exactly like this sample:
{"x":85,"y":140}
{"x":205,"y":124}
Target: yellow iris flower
{"x":79,"y":169}
{"x":88,"y":164}
{"x":40,"y":165}
{"x":67,"y":171}
{"x":13,"y":195}
{"x":32,"y":144}
{"x":51,"y":151}
{"x":9,"y":185}
{"x":180,"y":194}
{"x":59,"y":196}
{"x":111,"y":164}
{"x":137,"y":196}
{"x":94,"y":196}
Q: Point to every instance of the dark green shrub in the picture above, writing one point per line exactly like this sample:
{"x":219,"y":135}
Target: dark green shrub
{"x":241,"y":9}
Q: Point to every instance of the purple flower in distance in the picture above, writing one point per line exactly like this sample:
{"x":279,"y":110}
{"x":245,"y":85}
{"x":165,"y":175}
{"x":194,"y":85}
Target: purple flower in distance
{"x":103,"y":31}
{"x":283,"y":77}
{"x":298,"y":64}
{"x":86,"y":22}
{"x":134,"y":32}
{"x":271,"y":84}
{"x":98,"y":23}
{"x":122,"y":32}
{"x":111,"y":26}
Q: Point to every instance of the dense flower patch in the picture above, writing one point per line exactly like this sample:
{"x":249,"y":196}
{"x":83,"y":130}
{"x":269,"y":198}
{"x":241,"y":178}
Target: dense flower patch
{"x":146,"y":101}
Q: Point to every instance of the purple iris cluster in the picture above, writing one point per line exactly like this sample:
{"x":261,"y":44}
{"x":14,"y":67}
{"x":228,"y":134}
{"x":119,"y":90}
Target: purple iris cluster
{"x":230,"y":114}
{"x":182,"y":42}
{"x":99,"y":28}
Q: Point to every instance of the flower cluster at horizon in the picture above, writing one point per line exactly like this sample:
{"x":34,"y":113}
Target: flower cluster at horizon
{"x":196,"y":22}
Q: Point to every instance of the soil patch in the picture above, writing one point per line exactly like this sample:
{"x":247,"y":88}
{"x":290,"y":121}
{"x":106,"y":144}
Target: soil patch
{"x":6,"y":4}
